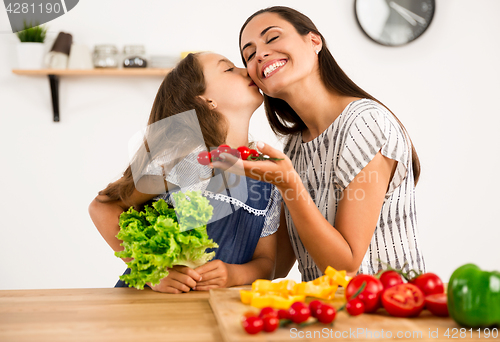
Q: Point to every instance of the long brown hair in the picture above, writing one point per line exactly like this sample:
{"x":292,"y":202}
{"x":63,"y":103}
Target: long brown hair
{"x":281,"y":116}
{"x":178,"y":93}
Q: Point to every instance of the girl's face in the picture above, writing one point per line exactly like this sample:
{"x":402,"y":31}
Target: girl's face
{"x":277,"y":56}
{"x":229,"y":87}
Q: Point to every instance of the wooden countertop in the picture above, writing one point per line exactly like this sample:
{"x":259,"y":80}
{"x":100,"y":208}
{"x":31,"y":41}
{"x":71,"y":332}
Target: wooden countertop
{"x":114,"y":314}
{"x":126,"y":314}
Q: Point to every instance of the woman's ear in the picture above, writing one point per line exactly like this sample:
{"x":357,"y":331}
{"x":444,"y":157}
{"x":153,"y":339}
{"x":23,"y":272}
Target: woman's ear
{"x":317,"y":44}
{"x":211,"y":103}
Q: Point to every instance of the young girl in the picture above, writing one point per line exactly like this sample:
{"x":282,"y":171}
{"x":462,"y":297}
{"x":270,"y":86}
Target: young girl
{"x":246,"y":213}
{"x":349,"y":170}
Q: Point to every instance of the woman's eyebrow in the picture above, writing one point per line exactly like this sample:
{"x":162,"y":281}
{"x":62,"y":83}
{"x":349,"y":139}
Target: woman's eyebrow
{"x":261,"y":34}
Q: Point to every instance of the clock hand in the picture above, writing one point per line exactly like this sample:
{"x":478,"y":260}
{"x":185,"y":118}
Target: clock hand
{"x":411,"y":17}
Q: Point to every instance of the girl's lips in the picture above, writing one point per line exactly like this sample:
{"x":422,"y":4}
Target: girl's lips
{"x":252,"y":84}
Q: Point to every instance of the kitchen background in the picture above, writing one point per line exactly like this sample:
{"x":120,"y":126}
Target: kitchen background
{"x":444,"y":87}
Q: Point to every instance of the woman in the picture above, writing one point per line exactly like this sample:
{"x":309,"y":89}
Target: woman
{"x":349,"y":170}
{"x":246,"y":212}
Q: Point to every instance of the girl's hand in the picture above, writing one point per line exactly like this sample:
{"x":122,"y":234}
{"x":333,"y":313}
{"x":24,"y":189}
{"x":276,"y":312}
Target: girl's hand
{"x":180,"y":279}
{"x":215,"y":274}
{"x":280,"y":172}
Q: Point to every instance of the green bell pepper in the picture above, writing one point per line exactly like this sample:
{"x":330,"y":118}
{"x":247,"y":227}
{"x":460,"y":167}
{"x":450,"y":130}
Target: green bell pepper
{"x":474,"y":297}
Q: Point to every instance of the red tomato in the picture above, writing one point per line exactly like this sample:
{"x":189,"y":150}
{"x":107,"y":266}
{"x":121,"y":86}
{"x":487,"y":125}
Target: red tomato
{"x":429,"y":283}
{"x":370,"y":295}
{"x":244,"y":152}
{"x":254,"y":153}
{"x":404,"y":300}
{"x":224,"y":149}
{"x":313,"y":307}
{"x":283,"y":314}
{"x":271,"y":323}
{"x":437,"y":304}
{"x":268,"y":311}
{"x":355,"y":307}
{"x":390,"y":278}
{"x":235,"y":152}
{"x":299,"y":312}
{"x":215,"y":155}
{"x":326,"y":313}
{"x":204,"y":158}
{"x":253,"y":325}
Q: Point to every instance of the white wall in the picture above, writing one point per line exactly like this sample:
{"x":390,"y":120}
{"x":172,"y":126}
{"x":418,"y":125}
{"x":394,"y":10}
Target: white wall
{"x":443,"y":87}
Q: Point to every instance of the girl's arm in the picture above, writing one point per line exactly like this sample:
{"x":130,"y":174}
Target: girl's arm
{"x":344,"y":246}
{"x":106,"y":216}
{"x":285,"y":257}
{"x":219,"y":274}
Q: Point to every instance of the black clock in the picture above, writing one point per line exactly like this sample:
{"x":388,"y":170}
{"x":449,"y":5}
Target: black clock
{"x":394,"y":22}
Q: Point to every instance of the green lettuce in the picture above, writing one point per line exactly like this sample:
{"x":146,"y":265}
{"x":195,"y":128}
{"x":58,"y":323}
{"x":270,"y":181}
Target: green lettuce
{"x":157,"y":238}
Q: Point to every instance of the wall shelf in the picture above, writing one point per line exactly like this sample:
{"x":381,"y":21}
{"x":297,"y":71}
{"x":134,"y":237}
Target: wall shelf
{"x":54,"y":75}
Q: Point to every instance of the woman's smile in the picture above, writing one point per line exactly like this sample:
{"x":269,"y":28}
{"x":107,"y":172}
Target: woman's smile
{"x":272,"y":67}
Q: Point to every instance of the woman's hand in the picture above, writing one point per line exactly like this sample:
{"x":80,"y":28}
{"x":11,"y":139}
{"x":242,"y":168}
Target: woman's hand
{"x":280,"y":172}
{"x":180,"y":279}
{"x":215,"y":274}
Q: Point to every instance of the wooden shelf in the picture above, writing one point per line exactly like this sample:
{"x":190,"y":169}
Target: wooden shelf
{"x":94,"y":72}
{"x":54,"y":75}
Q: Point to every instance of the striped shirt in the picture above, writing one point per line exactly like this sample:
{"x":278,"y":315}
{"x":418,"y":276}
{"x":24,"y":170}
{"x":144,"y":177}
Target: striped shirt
{"x":328,"y":163}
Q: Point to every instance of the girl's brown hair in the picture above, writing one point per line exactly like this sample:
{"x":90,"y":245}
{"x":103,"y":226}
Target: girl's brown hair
{"x":178,"y":93}
{"x":281,"y":116}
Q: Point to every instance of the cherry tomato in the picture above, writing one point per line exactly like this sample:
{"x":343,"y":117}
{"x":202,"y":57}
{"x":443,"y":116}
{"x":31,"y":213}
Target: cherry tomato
{"x":215,"y":155}
{"x":268,"y":311}
{"x":271,"y":323}
{"x":244,"y":152}
{"x":390,"y":278}
{"x":370,"y":295}
{"x":235,"y":152}
{"x":326,"y":313}
{"x":283,"y":314}
{"x":313,"y":307}
{"x":299,"y":312}
{"x":204,"y":158}
{"x":224,"y":149}
{"x":248,"y":314}
{"x":437,"y":304}
{"x":429,"y":283}
{"x":254,"y":153}
{"x":253,"y":325}
{"x":404,"y":300}
{"x":355,"y":307}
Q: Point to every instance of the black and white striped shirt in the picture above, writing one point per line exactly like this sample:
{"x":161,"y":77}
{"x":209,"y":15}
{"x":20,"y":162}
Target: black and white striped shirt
{"x":328,"y":163}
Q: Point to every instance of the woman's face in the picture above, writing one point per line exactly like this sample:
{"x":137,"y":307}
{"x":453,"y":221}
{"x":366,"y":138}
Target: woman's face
{"x":228,"y":86}
{"x":277,"y":56}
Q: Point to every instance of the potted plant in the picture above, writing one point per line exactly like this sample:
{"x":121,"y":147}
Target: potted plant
{"x":31,"y":49}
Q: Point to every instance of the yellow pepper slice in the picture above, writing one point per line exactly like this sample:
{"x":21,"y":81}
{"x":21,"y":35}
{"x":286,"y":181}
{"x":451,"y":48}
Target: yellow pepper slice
{"x":246,"y":296}
{"x":336,"y":276}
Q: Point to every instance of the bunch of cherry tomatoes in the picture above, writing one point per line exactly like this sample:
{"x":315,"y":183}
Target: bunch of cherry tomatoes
{"x":269,"y":319}
{"x":399,"y":298}
{"x":243,"y":152}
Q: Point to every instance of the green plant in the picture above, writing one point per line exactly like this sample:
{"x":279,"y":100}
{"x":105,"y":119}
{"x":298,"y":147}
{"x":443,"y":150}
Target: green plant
{"x":32,"y":34}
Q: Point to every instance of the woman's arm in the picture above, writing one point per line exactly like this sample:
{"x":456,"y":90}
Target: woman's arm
{"x":285,"y":257}
{"x":344,"y":246}
{"x":219,"y":274}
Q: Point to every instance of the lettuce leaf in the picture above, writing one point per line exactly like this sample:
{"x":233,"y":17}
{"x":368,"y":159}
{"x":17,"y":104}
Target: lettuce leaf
{"x":160,"y":237}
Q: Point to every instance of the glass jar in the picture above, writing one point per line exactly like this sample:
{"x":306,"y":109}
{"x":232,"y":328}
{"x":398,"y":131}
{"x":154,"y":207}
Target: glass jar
{"x":134,"y":56}
{"x":106,"y":56}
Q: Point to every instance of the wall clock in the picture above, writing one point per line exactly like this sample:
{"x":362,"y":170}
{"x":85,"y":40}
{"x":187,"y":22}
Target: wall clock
{"x":394,"y":22}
